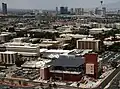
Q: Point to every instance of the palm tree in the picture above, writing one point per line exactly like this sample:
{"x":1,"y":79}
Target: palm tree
{"x":78,"y":84}
{"x":19,"y":82}
{"x":41,"y":85}
{"x":50,"y":86}
{"x":113,"y":34}
{"x":20,"y":56}
{"x":54,"y":86}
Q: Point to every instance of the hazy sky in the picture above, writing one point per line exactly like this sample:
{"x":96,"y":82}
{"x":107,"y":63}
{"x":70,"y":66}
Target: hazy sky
{"x":51,"y":4}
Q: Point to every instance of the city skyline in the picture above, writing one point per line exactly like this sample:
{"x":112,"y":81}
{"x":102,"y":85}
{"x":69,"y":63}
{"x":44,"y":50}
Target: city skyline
{"x":44,"y":4}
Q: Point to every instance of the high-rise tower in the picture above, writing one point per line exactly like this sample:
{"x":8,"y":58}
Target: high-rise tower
{"x":57,"y":10}
{"x":4,"y":8}
{"x":63,"y":10}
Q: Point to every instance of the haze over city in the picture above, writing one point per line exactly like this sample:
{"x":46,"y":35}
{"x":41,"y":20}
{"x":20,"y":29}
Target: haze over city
{"x":51,"y":4}
{"x":59,"y":44}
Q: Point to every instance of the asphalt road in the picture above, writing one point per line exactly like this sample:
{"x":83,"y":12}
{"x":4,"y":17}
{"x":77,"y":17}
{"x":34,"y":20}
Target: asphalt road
{"x":107,"y":80}
{"x":115,"y":84}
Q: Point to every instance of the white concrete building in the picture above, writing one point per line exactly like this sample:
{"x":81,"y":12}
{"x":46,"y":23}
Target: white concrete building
{"x":26,"y":49}
{"x":98,"y":30}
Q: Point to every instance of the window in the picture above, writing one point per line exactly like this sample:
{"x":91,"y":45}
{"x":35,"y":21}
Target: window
{"x":89,"y":68}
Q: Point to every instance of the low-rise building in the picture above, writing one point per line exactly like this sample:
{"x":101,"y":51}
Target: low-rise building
{"x":2,"y":48}
{"x":8,"y":57}
{"x":98,"y":30}
{"x":21,"y":39}
{"x":25,"y":49}
{"x":65,"y":68}
{"x":35,"y":64}
{"x":71,"y":68}
{"x":47,"y":46}
{"x":76,"y":36}
{"x":89,"y":43}
{"x":53,"y":53}
{"x":55,"y":44}
{"x":4,"y":37}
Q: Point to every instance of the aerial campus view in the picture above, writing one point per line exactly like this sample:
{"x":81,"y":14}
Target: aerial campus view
{"x":59,"y":44}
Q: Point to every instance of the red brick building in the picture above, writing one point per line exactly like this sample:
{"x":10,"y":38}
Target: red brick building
{"x":66,"y":68}
{"x":71,"y":68}
{"x":91,"y":65}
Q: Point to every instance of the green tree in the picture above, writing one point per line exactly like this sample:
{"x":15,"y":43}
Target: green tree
{"x":41,"y":85}
{"x":19,"y":82}
{"x":11,"y":29}
{"x":19,"y":62}
{"x":54,"y":86}
{"x":78,"y":84}
{"x":50,"y":86}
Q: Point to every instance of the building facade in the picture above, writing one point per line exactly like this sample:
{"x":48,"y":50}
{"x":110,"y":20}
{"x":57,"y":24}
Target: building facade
{"x":57,"y":11}
{"x":8,"y":57}
{"x":25,"y":49}
{"x":91,"y":65}
{"x":4,"y":37}
{"x":44,"y":73}
{"x":65,"y":68}
{"x":89,"y":44}
{"x":71,"y":11}
{"x":79,"y":11}
{"x":63,"y":10}
{"x":4,"y":8}
{"x":2,"y":48}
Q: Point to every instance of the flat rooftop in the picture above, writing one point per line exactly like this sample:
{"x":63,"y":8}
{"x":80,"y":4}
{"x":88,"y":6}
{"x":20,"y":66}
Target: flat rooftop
{"x":36,"y":30}
{"x":8,"y":52}
{"x":100,"y":29}
{"x":68,"y":61}
{"x":19,"y":44}
{"x":57,"y":51}
{"x":21,"y":38}
{"x":88,"y":39}
{"x":43,"y":50}
{"x":51,"y":42}
{"x":28,"y":53}
{"x":45,"y":45}
{"x":73,"y":35}
{"x":37,"y":64}
{"x":4,"y":34}
{"x":79,"y":52}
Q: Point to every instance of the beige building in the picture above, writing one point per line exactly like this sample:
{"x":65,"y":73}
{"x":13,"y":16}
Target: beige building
{"x":88,"y":43}
{"x":8,"y":57}
{"x":79,"y":11}
{"x":25,"y":49}
{"x":4,"y":37}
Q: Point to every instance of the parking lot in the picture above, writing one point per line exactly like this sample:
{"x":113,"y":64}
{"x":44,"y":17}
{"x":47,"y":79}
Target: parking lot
{"x":27,"y":73}
{"x":110,"y":56}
